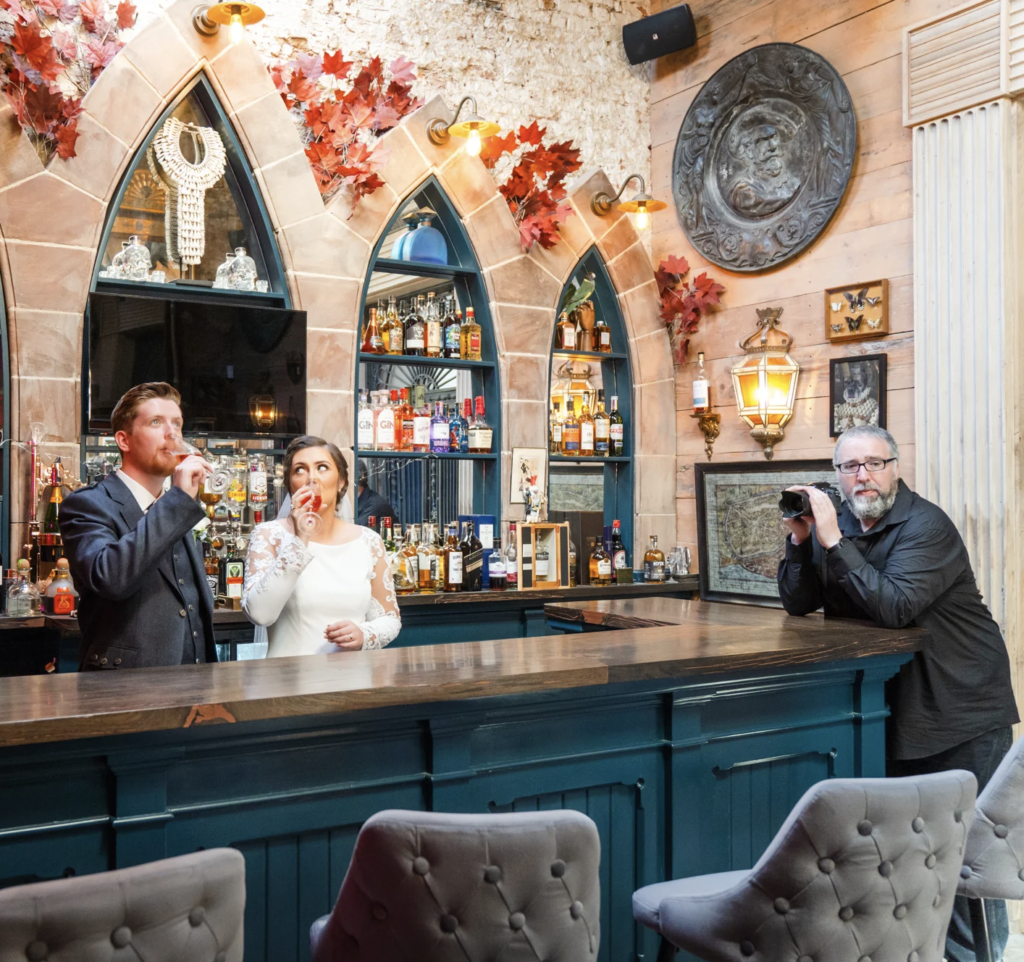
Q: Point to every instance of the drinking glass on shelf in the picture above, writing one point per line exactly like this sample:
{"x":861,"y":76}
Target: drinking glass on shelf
{"x":218,"y":481}
{"x":309,"y":520}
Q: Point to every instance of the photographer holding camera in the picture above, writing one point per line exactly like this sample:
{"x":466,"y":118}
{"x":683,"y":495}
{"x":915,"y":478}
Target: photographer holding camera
{"x":891,"y":557}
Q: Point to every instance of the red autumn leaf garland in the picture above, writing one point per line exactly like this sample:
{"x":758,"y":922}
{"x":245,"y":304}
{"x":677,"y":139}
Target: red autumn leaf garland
{"x":535,"y":189}
{"x":50,"y":57}
{"x":683,"y":305}
{"x":342,"y":115}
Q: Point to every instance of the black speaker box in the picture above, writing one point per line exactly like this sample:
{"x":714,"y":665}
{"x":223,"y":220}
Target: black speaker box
{"x":662,"y":34}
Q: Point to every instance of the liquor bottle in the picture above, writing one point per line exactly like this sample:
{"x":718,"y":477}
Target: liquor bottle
{"x":371,"y":523}
{"x":573,"y":558}
{"x":212,"y":565}
{"x":238,"y":489}
{"x":586,"y":431}
{"x":496,"y":572}
{"x":452,"y":562}
{"x":407,"y":571}
{"x":61,"y":597}
{"x":395,"y":330}
{"x":512,"y":559}
{"x":654,"y":562}
{"x":440,"y":441}
{"x":398,"y":569}
{"x":470,"y":337}
{"x":565,"y":334}
{"x":453,"y":331}
{"x":616,"y":429}
{"x":387,"y":536}
{"x":382,"y":325}
{"x":234,"y":571}
{"x":23,"y":597}
{"x":619,"y":559}
{"x":602,"y":337}
{"x":385,"y":440}
{"x":481,"y":434}
{"x":555,"y":430}
{"x":434,"y":327}
{"x":209,"y":496}
{"x":421,"y":420}
{"x":364,"y":421}
{"x":373,"y":343}
{"x":415,"y":330}
{"x":257,"y":487}
{"x":701,"y":397}
{"x":458,"y":429}
{"x":51,"y":545}
{"x":600,"y":564}
{"x":472,"y":559}
{"x":570,"y":431}
{"x":602,"y":429}
{"x":542,"y":562}
{"x":404,"y":424}
{"x":427,"y":560}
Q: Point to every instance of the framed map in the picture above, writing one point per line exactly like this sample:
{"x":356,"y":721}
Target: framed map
{"x":740,"y":534}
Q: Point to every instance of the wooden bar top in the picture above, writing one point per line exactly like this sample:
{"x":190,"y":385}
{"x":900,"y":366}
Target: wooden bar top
{"x":711,"y":639}
{"x":654,"y":612}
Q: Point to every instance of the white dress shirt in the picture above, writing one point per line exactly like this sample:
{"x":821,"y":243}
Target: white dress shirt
{"x":141,"y":495}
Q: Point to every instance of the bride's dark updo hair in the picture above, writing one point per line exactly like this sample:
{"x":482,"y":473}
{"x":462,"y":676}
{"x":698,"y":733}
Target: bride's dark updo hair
{"x":309,"y":441}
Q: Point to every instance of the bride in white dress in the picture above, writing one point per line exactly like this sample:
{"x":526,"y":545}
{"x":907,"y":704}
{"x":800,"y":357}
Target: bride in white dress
{"x":327,"y":592}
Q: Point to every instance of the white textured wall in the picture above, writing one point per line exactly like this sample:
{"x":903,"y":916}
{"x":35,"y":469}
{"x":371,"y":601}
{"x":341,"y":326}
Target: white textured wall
{"x":557,"y":61}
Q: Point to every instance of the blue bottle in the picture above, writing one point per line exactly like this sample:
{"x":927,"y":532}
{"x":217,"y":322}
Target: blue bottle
{"x":458,"y":431}
{"x":410,"y":220}
{"x":426,"y":244}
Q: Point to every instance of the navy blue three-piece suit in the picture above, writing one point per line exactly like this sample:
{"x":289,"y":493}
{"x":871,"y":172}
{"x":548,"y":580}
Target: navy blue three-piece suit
{"x":144,"y":600}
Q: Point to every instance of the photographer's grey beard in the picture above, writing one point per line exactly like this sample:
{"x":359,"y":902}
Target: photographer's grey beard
{"x":871,"y":509}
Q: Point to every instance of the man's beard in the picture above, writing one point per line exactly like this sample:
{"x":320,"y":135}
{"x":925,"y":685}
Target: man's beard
{"x":871,"y":509}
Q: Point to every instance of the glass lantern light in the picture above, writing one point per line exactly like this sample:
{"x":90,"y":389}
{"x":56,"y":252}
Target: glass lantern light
{"x":573,"y":379}
{"x":263,"y":412}
{"x":765,"y":381}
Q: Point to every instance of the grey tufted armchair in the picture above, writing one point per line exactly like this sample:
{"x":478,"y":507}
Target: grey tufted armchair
{"x":430,"y":887}
{"x":994,"y":861}
{"x":185,"y":909}
{"x":863,"y":870}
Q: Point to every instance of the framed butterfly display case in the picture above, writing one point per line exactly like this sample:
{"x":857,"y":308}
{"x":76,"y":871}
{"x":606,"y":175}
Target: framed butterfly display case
{"x":857,"y":312}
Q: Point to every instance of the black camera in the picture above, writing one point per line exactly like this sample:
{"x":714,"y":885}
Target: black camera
{"x":796,"y":504}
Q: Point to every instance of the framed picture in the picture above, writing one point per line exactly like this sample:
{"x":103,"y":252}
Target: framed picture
{"x":856,"y":392}
{"x":529,"y":467}
{"x":740,"y":534}
{"x":857,"y":312}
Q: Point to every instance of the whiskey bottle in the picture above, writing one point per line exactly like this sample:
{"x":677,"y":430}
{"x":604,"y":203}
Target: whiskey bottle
{"x":586,"y":431}
{"x":453,"y":331}
{"x":602,"y":429}
{"x":395,"y":329}
{"x":600,"y":564}
{"x":421,"y":420}
{"x":542,"y":562}
{"x":435,"y":344}
{"x":602,"y":337}
{"x":701,"y":397}
{"x":470,"y":337}
{"x":619,"y":559}
{"x":497,"y":576}
{"x":472,"y":558}
{"x":573,"y":580}
{"x":427,"y":559}
{"x":512,"y":559}
{"x":570,"y":431}
{"x":415,"y":330}
{"x":654,"y":562}
{"x":565,"y":334}
{"x":373,"y":343}
{"x":404,"y":424}
{"x":481,"y":434}
{"x":364,"y":422}
{"x":616,"y":429}
{"x":440,"y":439}
{"x":407,"y":567}
{"x":452,"y":562}
{"x":555,"y":430}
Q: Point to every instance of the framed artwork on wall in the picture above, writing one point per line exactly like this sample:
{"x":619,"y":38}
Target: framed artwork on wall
{"x":857,"y":392}
{"x":857,"y":311}
{"x":529,"y":469}
{"x":740,"y":534}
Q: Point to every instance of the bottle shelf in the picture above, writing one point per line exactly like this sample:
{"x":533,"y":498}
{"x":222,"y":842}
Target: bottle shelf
{"x":411,"y":359}
{"x":427,"y":454}
{"x":562,"y":459}
{"x":591,"y":355}
{"x":391,"y":266}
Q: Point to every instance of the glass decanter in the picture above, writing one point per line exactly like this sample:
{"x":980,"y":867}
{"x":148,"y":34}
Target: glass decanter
{"x":118,"y":264}
{"x":137,"y":260}
{"x":221,"y":280}
{"x":242,"y":271}
{"x":426,"y":244}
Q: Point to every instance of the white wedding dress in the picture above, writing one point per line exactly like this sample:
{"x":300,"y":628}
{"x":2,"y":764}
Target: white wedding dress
{"x":298,"y":590}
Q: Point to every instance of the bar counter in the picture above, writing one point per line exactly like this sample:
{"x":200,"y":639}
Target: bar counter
{"x":687,"y":744}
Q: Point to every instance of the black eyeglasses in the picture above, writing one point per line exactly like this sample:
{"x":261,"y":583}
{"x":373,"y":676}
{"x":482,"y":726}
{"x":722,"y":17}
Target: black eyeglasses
{"x":872,"y":465}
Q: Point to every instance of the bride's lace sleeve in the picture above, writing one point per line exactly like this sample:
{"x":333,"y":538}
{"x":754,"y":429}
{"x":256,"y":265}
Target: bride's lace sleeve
{"x":383,"y":621}
{"x":273,"y":564}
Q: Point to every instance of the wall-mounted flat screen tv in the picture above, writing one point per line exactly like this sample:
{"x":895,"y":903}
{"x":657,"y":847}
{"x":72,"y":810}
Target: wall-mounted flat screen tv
{"x":221,"y":357}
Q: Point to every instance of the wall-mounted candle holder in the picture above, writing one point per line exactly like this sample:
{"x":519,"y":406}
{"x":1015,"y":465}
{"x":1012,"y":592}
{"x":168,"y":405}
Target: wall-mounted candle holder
{"x":710,"y":424}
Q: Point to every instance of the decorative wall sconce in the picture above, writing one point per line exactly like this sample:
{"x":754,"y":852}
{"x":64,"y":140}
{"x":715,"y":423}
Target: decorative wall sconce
{"x":263,"y":412}
{"x":710,"y":425}
{"x":642,"y":203}
{"x":207,"y":19}
{"x":474,"y":128}
{"x":765,"y":383}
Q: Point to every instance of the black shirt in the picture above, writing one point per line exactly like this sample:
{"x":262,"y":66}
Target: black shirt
{"x":370,"y":504}
{"x":911,"y":569}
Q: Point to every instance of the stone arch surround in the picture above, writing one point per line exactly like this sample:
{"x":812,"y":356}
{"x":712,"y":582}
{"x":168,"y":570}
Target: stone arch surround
{"x":51,"y":222}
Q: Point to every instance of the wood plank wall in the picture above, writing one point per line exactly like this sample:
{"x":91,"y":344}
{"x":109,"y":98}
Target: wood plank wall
{"x":869,"y":237}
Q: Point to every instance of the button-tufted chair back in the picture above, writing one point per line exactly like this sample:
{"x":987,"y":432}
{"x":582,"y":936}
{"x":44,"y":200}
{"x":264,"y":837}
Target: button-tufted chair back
{"x":185,"y":909}
{"x":430,"y":887}
{"x":863,"y":869}
{"x":994,"y":862}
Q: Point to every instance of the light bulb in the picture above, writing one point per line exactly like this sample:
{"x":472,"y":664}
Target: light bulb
{"x":642,"y":218}
{"x":237,"y":29}
{"x":473,"y":143}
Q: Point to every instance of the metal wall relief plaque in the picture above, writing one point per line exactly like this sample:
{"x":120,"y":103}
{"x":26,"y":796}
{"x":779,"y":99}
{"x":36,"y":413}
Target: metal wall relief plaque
{"x":763,"y":157}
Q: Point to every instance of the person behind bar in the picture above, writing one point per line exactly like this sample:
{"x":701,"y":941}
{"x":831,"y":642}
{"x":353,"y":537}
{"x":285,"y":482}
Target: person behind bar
{"x":326,"y":591}
{"x":896,"y":559}
{"x":144,"y":599}
{"x":369,"y":503}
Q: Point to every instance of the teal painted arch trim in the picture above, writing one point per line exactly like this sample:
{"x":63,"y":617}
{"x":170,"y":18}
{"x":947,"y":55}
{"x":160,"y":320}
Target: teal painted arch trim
{"x":8,"y":434}
{"x":616,"y":374}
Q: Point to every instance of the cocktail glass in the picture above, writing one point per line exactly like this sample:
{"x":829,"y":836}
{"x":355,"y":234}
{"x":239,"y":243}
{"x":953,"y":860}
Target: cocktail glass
{"x":309,"y":520}
{"x":218,"y":481}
